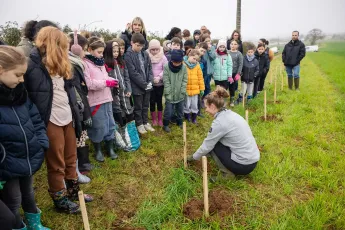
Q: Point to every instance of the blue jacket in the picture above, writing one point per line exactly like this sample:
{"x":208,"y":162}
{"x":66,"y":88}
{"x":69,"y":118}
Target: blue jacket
{"x":222,"y":66}
{"x":23,"y":136}
{"x":203,"y":66}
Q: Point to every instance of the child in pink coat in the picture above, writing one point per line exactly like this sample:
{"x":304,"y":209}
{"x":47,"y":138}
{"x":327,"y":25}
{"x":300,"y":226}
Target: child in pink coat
{"x":158,"y":61}
{"x":100,"y":99}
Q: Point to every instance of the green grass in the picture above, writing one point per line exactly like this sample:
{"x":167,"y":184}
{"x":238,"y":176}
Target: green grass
{"x":298,"y":184}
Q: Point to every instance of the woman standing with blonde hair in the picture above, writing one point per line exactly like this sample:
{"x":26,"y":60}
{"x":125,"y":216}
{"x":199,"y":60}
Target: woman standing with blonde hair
{"x":137,"y":26}
{"x":48,"y":69}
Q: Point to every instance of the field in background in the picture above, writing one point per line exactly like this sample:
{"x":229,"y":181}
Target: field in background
{"x":298,"y":184}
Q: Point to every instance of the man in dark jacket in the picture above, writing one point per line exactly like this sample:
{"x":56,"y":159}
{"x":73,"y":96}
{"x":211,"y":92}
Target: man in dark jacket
{"x":140,"y":73}
{"x":292,"y":55}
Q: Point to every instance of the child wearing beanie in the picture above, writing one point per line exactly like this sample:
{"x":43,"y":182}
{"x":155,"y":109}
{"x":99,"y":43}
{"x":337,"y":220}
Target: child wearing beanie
{"x":158,"y":61}
{"x":222,"y":65}
{"x":175,"y":80}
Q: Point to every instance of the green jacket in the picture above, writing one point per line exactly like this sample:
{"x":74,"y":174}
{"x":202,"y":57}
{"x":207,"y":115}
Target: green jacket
{"x":222,"y":67}
{"x":175,"y":84}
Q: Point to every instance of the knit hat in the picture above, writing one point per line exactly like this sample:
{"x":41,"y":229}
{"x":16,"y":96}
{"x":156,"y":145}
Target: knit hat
{"x":177,"y":55}
{"x":221,"y":43}
{"x":154,"y":44}
{"x":197,"y":32}
{"x":189,"y":43}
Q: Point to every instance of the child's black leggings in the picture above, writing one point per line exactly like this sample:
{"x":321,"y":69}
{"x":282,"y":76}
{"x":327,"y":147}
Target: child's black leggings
{"x":156,"y":98}
{"x":19,"y":192}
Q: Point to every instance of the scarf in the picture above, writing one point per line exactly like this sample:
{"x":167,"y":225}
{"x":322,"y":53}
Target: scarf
{"x":190,"y":65}
{"x":95,"y":60}
{"x":11,"y":97}
{"x":250,"y":58}
{"x":174,"y":69}
{"x":221,"y":53}
{"x":158,"y":57}
{"x":76,"y":60}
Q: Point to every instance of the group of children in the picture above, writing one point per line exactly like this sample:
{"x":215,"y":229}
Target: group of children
{"x":78,"y":87}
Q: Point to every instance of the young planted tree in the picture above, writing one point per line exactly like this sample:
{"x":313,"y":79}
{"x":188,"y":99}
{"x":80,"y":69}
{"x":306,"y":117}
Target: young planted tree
{"x":315,"y":35}
{"x":10,"y":33}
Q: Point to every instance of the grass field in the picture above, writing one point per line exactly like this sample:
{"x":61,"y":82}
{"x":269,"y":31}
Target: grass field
{"x":298,"y":184}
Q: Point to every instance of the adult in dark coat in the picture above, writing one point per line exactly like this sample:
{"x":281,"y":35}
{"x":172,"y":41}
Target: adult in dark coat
{"x":137,"y":26}
{"x":292,"y":55}
{"x":236,"y":35}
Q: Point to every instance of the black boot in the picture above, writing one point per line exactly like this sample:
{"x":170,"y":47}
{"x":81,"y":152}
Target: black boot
{"x":84,"y":164}
{"x":187,"y":117}
{"x":62,"y":203}
{"x":73,"y":189}
{"x":290,"y":82}
{"x":296,"y":80}
{"x":179,"y":123}
{"x":194,"y":116}
{"x":98,"y":152}
{"x":109,"y":146}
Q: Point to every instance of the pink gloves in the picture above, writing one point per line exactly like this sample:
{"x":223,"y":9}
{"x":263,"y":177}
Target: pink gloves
{"x":237,"y":77}
{"x":112,"y":83}
{"x":230,"y":80}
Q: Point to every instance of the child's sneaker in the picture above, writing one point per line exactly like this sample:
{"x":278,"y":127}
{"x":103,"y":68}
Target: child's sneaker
{"x":232,"y":102}
{"x":148,"y":127}
{"x":141,"y":129}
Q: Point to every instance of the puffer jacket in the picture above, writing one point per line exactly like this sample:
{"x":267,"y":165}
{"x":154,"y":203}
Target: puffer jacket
{"x":157,"y":70}
{"x":96,"y":77}
{"x":23,"y":138}
{"x":250,"y":70}
{"x":175,"y":84}
{"x":222,"y":67}
{"x":264,"y":63}
{"x":195,"y":80}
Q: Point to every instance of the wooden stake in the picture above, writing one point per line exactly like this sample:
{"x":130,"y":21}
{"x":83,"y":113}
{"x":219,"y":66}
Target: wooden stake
{"x":205,"y":185}
{"x":271,"y":79}
{"x":275,"y":90}
{"x":282,"y":74}
{"x":83,"y":210}
{"x":247,"y":115}
{"x":185,"y":144}
{"x":265,"y":106}
{"x":243,"y":99}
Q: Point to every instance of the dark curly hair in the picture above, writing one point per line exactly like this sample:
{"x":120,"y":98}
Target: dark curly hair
{"x":173,"y":33}
{"x":32,"y":28}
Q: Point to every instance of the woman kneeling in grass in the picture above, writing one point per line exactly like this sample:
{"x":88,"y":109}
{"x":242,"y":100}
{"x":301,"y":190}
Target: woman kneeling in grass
{"x":229,"y":141}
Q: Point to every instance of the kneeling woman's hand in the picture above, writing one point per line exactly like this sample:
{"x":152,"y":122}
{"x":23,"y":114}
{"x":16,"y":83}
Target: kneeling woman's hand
{"x":190,"y":158}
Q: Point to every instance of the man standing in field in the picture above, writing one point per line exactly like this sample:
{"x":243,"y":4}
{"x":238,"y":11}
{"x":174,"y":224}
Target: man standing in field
{"x":292,"y":55}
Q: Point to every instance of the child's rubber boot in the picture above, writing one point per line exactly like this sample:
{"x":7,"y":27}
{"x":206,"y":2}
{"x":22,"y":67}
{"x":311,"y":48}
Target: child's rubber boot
{"x":34,"y":221}
{"x":160,"y":118}
{"x":194,"y":116}
{"x":187,"y":117}
{"x":154,"y":118}
{"x":62,"y":203}
{"x":109,"y":147}
{"x":73,"y":189}
{"x":98,"y":152}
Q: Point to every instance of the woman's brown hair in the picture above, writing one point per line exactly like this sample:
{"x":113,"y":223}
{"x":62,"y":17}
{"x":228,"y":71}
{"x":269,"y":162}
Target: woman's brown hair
{"x":217,"y":97}
{"x":53,"y":45}
{"x":10,"y":57}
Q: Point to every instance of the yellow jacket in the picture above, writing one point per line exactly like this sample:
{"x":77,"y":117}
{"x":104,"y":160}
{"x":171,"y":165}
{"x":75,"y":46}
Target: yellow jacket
{"x":195,"y":80}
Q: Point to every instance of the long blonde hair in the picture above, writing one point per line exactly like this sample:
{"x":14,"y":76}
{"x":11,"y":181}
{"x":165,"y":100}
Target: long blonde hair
{"x":10,"y":57}
{"x":143,"y":29}
{"x":53,"y":45}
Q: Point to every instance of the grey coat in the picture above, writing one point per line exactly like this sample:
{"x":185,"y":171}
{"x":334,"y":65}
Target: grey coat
{"x":139,"y":79}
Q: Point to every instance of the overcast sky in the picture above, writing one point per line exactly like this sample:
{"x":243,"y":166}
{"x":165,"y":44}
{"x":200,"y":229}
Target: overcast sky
{"x":260,"y":18}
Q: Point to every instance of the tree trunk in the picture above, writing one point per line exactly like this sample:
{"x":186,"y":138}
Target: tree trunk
{"x":238,"y":16}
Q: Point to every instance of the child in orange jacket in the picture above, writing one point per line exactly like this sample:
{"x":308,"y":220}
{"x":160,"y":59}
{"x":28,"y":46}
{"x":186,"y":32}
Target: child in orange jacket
{"x":195,"y":85}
